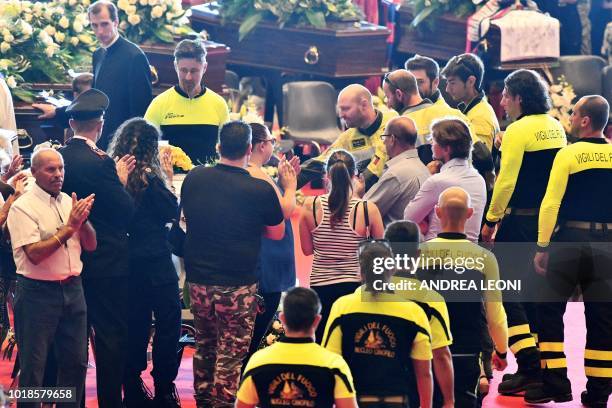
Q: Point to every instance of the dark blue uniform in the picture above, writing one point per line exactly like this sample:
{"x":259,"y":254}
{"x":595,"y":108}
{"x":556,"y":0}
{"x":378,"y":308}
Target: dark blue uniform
{"x":105,"y":271}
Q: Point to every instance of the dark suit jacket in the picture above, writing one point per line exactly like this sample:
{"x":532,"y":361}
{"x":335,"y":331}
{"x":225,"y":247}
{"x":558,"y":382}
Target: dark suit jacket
{"x":122,"y":72}
{"x":89,"y":170}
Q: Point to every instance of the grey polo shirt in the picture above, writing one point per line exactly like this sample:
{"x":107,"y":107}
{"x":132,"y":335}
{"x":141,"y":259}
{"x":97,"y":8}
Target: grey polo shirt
{"x":456,"y":172}
{"x":402,"y":178}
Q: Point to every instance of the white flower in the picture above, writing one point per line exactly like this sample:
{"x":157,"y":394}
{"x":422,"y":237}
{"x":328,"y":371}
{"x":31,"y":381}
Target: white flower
{"x":157,"y":12}
{"x":123,"y":4}
{"x":64,"y":22}
{"x":26,"y":28}
{"x":50,"y":51}
{"x":77,"y":26}
{"x":4,"y":47}
{"x":50,"y":30}
{"x":153,"y":2}
{"x":144,"y":2}
{"x":4,"y":64}
{"x":11,"y":82}
{"x":131,"y":10}
{"x":74,"y":41}
{"x":9,"y":38}
{"x":72,"y":3}
{"x":27,"y":17}
{"x":60,"y":37}
{"x":177,"y":6}
{"x":5,"y":32}
{"x":134,"y":19}
{"x":133,"y":1}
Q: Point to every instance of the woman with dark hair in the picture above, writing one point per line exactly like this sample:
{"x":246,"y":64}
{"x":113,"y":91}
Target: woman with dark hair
{"x":276,"y":266}
{"x":331,"y":228}
{"x":153,"y":278}
{"x":384,"y":339}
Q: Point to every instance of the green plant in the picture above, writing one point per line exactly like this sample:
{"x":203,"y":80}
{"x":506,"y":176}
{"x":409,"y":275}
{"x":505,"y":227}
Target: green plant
{"x":153,"y":20}
{"x":424,"y":10}
{"x":315,"y":13}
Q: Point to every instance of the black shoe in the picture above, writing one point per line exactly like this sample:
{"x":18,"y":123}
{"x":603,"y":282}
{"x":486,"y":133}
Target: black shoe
{"x":167,"y":396}
{"x":593,"y":401}
{"x":518,"y":383}
{"x":508,"y":376}
{"x":136,"y":394}
{"x":542,"y":394}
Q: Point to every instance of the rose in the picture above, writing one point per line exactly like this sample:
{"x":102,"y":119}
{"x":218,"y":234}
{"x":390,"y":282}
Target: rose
{"x":77,"y":26}
{"x":153,"y":2}
{"x":131,"y":10}
{"x":144,"y":2}
{"x":123,"y":25}
{"x":157,"y":12}
{"x":74,"y":41}
{"x":9,"y":38}
{"x":50,"y":50}
{"x":123,"y":4}
{"x":64,"y":22}
{"x":11,"y":82}
{"x":72,"y":2}
{"x":4,"y":64}
{"x":26,"y":29}
{"x":5,"y":32}
{"x":134,"y":19}
{"x":50,"y":30}
{"x":133,"y":1}
{"x":60,"y":37}
{"x":4,"y":47}
{"x":27,"y":17}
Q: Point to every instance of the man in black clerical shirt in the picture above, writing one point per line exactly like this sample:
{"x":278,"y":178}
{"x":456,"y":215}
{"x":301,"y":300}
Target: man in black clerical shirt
{"x":121,"y":70}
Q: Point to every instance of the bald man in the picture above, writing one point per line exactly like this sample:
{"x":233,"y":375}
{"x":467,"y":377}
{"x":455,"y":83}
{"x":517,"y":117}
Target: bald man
{"x":454,"y":209}
{"x":48,"y":230}
{"x":403,"y":173}
{"x":362,"y":138}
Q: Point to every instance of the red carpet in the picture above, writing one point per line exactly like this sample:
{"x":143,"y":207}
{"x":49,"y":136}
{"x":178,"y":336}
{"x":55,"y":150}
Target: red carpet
{"x":574,"y":334}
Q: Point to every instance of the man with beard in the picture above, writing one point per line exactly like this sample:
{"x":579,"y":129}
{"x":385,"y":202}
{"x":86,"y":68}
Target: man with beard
{"x":363,"y":138}
{"x":189,"y":115}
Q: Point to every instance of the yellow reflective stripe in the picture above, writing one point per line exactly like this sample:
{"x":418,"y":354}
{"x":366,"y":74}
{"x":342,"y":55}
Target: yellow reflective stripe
{"x":551,"y":346}
{"x":598,"y":372}
{"x":535,"y":337}
{"x":555,"y":363}
{"x":522,"y":329}
{"x":522,"y":344}
{"x":598,"y":355}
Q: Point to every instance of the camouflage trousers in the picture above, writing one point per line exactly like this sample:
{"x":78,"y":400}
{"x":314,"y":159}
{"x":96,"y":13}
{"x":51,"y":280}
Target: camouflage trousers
{"x":224,"y":318}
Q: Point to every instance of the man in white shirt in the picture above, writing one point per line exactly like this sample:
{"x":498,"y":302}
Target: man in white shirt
{"x":452,"y":144}
{"x":48,"y":229}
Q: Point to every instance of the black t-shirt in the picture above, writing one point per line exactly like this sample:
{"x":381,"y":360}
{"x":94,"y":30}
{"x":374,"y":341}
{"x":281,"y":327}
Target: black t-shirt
{"x":226,"y":211}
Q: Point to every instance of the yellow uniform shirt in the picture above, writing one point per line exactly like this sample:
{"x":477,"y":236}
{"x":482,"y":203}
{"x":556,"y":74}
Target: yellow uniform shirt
{"x":456,"y":249}
{"x":295,"y":372}
{"x":190,"y":123}
{"x":425,"y":117}
{"x":579,"y":187}
{"x":528,"y":149}
{"x":483,"y":120}
{"x":378,"y":336}
{"x":364,"y":144}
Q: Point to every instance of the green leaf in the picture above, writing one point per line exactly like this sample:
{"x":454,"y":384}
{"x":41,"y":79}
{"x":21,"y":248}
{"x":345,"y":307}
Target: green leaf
{"x":316,"y":18}
{"x":24,"y":95}
{"x":423,"y":14}
{"x":248,"y":25}
{"x":164,"y":35}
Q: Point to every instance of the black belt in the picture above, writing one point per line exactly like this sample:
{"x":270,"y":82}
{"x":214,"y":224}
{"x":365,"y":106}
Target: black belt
{"x":61,"y":282}
{"x":521,"y":211}
{"x":590,"y":226}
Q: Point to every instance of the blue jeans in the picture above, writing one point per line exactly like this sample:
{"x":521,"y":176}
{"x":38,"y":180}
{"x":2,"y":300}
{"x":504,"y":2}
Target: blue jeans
{"x":51,"y":317}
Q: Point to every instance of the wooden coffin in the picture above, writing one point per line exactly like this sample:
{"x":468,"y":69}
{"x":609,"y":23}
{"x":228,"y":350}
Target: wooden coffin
{"x":446,"y":40}
{"x":343,"y":49}
{"x":162,"y":58}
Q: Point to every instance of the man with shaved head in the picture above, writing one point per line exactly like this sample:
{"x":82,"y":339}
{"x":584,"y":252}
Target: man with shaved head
{"x":404,"y":173}
{"x":362,"y":138}
{"x":454,"y":209}
{"x":48,"y":229}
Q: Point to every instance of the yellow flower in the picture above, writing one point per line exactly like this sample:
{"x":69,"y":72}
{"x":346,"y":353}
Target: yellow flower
{"x":4,"y":47}
{"x":26,"y":28}
{"x":72,"y":2}
{"x":64,"y":22}
{"x":86,"y":39}
{"x":144,"y":2}
{"x":153,"y":2}
{"x":11,"y":82}
{"x":134,"y":19}
{"x":5,"y":32}
{"x":50,"y":30}
{"x":50,"y":50}
{"x":4,"y":64}
{"x":74,"y":41}
{"x":9,"y":38}
{"x":60,"y":37}
{"x":180,"y":158}
{"x":123,"y":4}
{"x":133,"y":1}
{"x":131,"y":10}
{"x":27,"y":17}
{"x":77,"y":26}
{"x":157,"y":12}
{"x":86,"y":3}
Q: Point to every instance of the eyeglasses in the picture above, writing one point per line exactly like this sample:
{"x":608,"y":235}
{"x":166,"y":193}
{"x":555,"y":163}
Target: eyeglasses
{"x":385,"y":135}
{"x":271,"y":140}
{"x":387,"y":78}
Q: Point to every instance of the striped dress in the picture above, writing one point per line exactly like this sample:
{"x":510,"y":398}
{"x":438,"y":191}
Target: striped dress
{"x":335,"y":249}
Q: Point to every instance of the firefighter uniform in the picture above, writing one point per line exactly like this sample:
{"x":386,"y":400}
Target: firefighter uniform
{"x":528,"y":149}
{"x":578,"y":199}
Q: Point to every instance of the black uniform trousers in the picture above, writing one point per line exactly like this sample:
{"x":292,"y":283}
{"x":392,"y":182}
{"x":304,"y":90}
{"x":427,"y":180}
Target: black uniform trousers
{"x":578,"y":258}
{"x":107,"y":311}
{"x":516,"y":262}
{"x":161,"y":300}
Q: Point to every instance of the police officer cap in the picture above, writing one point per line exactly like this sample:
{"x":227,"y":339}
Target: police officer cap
{"x":91,"y":104}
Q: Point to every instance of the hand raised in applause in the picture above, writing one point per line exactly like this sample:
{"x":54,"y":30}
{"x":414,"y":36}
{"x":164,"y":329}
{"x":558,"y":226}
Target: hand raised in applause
{"x":286,"y":174}
{"x":80,"y":211}
{"x":165,"y":159}
{"x":124,"y":166}
{"x":13,"y":168}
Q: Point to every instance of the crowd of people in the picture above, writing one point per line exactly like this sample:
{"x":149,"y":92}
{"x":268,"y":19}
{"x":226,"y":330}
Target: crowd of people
{"x":86,"y":241}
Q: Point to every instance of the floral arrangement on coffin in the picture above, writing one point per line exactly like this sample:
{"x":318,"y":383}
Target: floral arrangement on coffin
{"x":315,"y":13}
{"x":426,"y":9}
{"x":153,"y":20}
{"x":562,"y":96}
{"x":40,"y":41}
{"x":180,"y":161}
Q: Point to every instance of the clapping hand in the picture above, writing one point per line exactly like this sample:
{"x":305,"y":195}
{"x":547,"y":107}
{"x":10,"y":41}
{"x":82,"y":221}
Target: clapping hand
{"x":124,"y":166}
{"x":13,"y":168}
{"x":287,"y":176}
{"x":80,"y":211}
{"x":165,"y":159}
